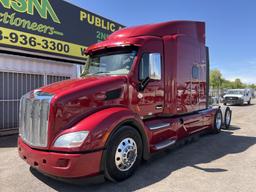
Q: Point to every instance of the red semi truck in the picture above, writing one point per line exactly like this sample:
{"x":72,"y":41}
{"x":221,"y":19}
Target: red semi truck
{"x":144,"y":89}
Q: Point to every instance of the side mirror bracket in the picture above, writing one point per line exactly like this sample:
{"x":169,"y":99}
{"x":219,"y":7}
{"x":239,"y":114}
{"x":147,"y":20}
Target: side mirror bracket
{"x":143,"y":84}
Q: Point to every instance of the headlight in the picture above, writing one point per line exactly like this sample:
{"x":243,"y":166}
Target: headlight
{"x":70,"y":140}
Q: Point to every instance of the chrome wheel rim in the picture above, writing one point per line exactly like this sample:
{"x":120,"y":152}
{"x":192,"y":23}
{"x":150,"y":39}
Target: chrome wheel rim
{"x":126,"y":154}
{"x":228,"y":117}
{"x":218,"y":121}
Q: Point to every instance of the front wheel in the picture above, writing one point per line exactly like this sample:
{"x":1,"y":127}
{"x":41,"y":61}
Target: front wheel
{"x":124,"y":154}
{"x":249,"y":102}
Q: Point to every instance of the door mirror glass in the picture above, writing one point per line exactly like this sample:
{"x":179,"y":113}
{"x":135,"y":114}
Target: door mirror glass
{"x":155,"y":66}
{"x":150,"y":66}
{"x":149,"y":69}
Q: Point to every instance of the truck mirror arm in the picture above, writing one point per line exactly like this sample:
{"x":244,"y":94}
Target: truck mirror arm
{"x":143,"y":84}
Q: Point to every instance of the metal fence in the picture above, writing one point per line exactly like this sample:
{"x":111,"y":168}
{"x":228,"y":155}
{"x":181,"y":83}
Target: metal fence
{"x":12,"y":86}
{"x":52,"y":79}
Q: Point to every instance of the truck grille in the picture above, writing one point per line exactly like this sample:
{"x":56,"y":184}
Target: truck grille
{"x":34,"y":116}
{"x":232,"y":98}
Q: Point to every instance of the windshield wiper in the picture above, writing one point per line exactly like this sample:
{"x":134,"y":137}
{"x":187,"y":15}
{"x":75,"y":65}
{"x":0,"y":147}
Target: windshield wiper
{"x":99,"y":72}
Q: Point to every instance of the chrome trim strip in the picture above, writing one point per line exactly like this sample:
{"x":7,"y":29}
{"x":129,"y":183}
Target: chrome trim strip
{"x":165,"y":144}
{"x":159,"y":126}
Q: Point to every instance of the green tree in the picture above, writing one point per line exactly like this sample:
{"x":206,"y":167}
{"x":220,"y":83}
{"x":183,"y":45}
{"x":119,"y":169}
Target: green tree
{"x":226,"y":84}
{"x":216,"y":79}
{"x":253,"y":86}
{"x":238,"y":84}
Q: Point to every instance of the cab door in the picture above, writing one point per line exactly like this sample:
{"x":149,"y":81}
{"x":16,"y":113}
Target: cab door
{"x":150,"y":95}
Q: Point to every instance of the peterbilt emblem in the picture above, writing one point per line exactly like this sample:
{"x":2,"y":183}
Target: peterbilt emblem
{"x":34,"y":93}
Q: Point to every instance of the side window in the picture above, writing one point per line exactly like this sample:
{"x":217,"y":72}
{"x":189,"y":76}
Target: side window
{"x":144,"y":67}
{"x":195,"y":72}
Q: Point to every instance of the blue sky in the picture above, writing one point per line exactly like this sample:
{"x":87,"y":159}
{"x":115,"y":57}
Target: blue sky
{"x":231,"y":26}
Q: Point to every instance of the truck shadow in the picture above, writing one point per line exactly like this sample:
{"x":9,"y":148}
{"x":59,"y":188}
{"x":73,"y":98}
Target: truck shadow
{"x":8,"y":141}
{"x":207,"y":149}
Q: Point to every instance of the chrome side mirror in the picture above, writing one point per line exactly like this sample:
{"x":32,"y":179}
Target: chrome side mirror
{"x":155,"y":66}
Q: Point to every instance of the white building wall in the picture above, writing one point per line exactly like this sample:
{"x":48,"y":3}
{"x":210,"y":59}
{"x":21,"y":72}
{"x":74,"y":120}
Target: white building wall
{"x":14,"y":63}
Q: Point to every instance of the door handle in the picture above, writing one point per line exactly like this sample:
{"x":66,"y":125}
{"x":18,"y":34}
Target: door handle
{"x":159,"y":107}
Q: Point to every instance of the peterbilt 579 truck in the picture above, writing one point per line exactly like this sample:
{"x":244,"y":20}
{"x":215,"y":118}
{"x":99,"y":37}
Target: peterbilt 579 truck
{"x":143,"y":90}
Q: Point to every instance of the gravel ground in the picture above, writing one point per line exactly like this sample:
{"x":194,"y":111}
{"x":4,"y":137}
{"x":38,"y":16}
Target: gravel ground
{"x":223,"y":162}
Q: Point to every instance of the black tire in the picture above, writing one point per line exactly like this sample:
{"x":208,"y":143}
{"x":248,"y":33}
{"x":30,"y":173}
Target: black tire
{"x":112,"y":172}
{"x":227,"y":121}
{"x":225,"y":104}
{"x":249,"y":102}
{"x":217,"y":125}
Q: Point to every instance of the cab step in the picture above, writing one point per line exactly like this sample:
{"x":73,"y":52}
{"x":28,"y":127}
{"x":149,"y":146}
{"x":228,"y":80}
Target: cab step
{"x":165,"y":144}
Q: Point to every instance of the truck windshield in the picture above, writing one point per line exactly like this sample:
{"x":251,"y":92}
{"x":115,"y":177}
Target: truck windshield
{"x":111,"y":63}
{"x":236,"y":92}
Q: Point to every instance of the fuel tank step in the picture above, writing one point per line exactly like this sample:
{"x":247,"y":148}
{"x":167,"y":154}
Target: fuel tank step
{"x":165,"y":144}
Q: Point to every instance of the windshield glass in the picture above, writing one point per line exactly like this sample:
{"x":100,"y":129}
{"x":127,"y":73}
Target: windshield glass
{"x":235,"y":92}
{"x":111,"y":63}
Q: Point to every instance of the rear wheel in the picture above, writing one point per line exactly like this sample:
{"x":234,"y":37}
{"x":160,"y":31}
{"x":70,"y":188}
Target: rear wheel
{"x":227,"y":118}
{"x":124,"y":154}
{"x":217,"y":122}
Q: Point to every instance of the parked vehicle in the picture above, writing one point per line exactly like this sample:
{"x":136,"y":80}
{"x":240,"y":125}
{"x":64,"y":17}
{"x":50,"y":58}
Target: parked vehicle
{"x":144,"y":89}
{"x":238,"y":97}
{"x":253,"y":93}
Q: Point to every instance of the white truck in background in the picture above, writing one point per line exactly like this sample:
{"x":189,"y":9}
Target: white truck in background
{"x":238,"y":97}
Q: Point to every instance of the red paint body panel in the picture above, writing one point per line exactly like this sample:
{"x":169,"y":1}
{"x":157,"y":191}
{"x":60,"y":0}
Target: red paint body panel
{"x":79,"y":165}
{"x":80,"y":104}
{"x":130,"y":35}
{"x":75,"y":99}
{"x":101,"y":124}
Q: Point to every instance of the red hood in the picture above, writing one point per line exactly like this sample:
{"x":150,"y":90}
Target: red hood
{"x":68,"y":86}
{"x":74,"y":99}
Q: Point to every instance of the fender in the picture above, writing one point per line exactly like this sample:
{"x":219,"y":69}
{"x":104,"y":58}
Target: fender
{"x":101,"y":125}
